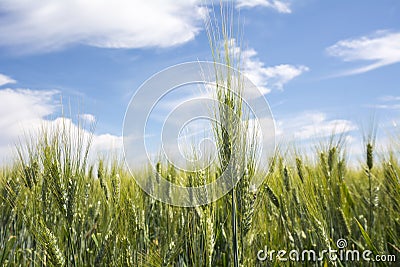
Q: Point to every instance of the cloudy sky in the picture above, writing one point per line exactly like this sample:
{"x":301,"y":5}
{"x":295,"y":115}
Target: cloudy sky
{"x":322,"y":65}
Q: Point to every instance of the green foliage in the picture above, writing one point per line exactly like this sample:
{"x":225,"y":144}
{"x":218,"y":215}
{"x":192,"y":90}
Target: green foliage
{"x":58,"y":212}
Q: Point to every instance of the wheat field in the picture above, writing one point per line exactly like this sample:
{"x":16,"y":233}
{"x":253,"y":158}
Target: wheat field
{"x":59,"y":210}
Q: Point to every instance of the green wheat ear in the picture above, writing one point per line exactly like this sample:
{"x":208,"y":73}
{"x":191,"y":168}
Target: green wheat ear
{"x":101,"y":176}
{"x":370,"y":156}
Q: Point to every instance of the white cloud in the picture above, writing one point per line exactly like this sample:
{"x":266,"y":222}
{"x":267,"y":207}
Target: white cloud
{"x":388,"y":102}
{"x":389,"y":98}
{"x":267,"y":78}
{"x":384,"y":106}
{"x":308,"y":130}
{"x":50,"y":25}
{"x":46,"y":25}
{"x":23,"y":108}
{"x":311,"y":125}
{"x":280,"y":6}
{"x":88,"y":118}
{"x":105,"y":143}
{"x":24,"y":112}
{"x":20,"y":111}
{"x":6,"y":80}
{"x":381,"y":48}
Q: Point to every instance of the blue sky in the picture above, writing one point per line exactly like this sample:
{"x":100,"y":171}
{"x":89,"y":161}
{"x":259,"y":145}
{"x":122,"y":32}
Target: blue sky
{"x":323,"y":65}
